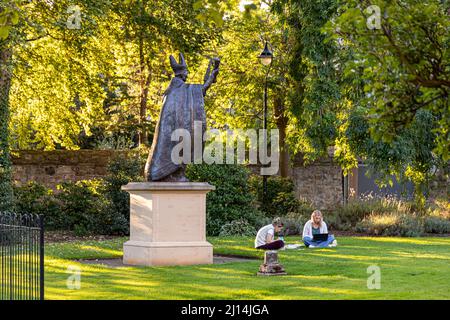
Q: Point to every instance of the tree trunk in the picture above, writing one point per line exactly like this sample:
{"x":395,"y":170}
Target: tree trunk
{"x":6,"y":192}
{"x":143,"y":93}
{"x":281,"y":121}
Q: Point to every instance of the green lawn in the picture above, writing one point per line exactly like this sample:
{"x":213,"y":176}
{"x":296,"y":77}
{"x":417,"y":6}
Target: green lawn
{"x":411,"y":268}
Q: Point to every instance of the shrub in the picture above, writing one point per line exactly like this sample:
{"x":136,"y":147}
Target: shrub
{"x":86,"y":210}
{"x":123,"y":169}
{"x":334,"y":222}
{"x":6,"y":186}
{"x":232,"y":199}
{"x":352,"y":212}
{"x":239,"y":227}
{"x":397,"y":224}
{"x":345,"y":217}
{"x":390,"y":217}
{"x":34,"y":198}
{"x":439,"y":207}
{"x":280,"y":198}
{"x":436,"y":225}
{"x":96,"y":206}
{"x":293,"y":223}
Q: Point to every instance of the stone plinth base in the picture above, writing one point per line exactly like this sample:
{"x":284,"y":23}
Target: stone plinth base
{"x":167,"y":253}
{"x":167,"y":224}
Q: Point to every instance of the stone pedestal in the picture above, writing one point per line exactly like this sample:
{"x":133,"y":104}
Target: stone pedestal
{"x":271,"y":266}
{"x":167,"y":224}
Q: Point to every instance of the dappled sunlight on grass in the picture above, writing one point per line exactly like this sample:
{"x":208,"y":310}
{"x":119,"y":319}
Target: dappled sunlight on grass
{"x":362,"y":247}
{"x":244,"y":249}
{"x":86,"y":249}
{"x":227,"y":240}
{"x":338,"y":273}
{"x":418,"y":241}
{"x":354,"y":257}
{"x":222,"y":291}
{"x":323,"y":277}
{"x":333,"y":291}
{"x":105,"y":252}
{"x":135,"y":283}
{"x":420,"y":256}
{"x":228,"y":271}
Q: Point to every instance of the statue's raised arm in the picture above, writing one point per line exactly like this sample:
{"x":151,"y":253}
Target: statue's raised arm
{"x":211,"y":76}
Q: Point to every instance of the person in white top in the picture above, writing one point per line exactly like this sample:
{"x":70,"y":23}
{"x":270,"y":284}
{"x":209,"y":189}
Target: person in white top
{"x":317,"y":226}
{"x":266,"y":235}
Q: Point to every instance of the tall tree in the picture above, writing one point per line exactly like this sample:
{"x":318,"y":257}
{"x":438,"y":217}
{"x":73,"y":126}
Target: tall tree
{"x":370,"y":92}
{"x":314,"y":85}
{"x":237,"y":101}
{"x":399,"y":52}
{"x":56,"y":90}
{"x":149,"y":31}
{"x":395,"y":80}
{"x":5,"y":162}
{"x":8,"y":18}
{"x":77,"y":84}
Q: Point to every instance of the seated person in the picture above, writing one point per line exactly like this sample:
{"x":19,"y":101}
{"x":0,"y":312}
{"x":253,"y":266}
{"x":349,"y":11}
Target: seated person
{"x":265,"y":237}
{"x":317,"y":226}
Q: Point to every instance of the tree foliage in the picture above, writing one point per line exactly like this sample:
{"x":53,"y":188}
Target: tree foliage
{"x":101,"y":82}
{"x":377,"y":94}
{"x":6,"y":191}
{"x":8,"y":18}
{"x":395,"y":79}
{"x":312,"y":68}
{"x":400,"y":67}
{"x":380,"y":94}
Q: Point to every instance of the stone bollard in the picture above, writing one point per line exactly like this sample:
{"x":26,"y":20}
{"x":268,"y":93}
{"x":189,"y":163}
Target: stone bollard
{"x":271,"y":266}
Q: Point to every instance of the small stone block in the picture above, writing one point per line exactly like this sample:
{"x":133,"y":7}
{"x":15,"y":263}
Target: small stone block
{"x":271,"y":266}
{"x":270,"y":257}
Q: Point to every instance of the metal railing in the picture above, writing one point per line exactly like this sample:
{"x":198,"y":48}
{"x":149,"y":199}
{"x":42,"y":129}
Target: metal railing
{"x":21,"y":257}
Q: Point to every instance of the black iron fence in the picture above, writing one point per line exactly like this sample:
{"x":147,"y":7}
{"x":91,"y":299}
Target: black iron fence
{"x":21,"y":257}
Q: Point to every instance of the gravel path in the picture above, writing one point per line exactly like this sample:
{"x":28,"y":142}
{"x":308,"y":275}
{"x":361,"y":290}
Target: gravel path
{"x":117,"y":262}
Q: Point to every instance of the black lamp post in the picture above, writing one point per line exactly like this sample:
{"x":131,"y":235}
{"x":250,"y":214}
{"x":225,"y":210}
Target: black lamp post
{"x":265,"y":57}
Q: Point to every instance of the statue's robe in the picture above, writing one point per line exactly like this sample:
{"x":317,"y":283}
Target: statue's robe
{"x":182,"y":105}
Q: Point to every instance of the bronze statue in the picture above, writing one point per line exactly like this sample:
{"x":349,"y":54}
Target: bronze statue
{"x":183,"y":105}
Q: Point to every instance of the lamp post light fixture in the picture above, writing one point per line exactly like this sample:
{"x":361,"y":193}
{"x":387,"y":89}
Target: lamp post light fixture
{"x":266,"y":58}
{"x":266,"y":55}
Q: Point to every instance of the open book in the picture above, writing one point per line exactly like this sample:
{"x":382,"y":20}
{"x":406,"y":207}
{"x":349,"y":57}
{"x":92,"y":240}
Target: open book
{"x":292,"y":246}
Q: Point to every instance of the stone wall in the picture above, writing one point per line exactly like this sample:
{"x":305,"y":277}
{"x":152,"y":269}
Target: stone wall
{"x":319,"y":183}
{"x":54,"y":167}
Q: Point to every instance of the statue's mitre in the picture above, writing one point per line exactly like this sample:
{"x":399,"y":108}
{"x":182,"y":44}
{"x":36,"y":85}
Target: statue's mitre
{"x":178,"y":68}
